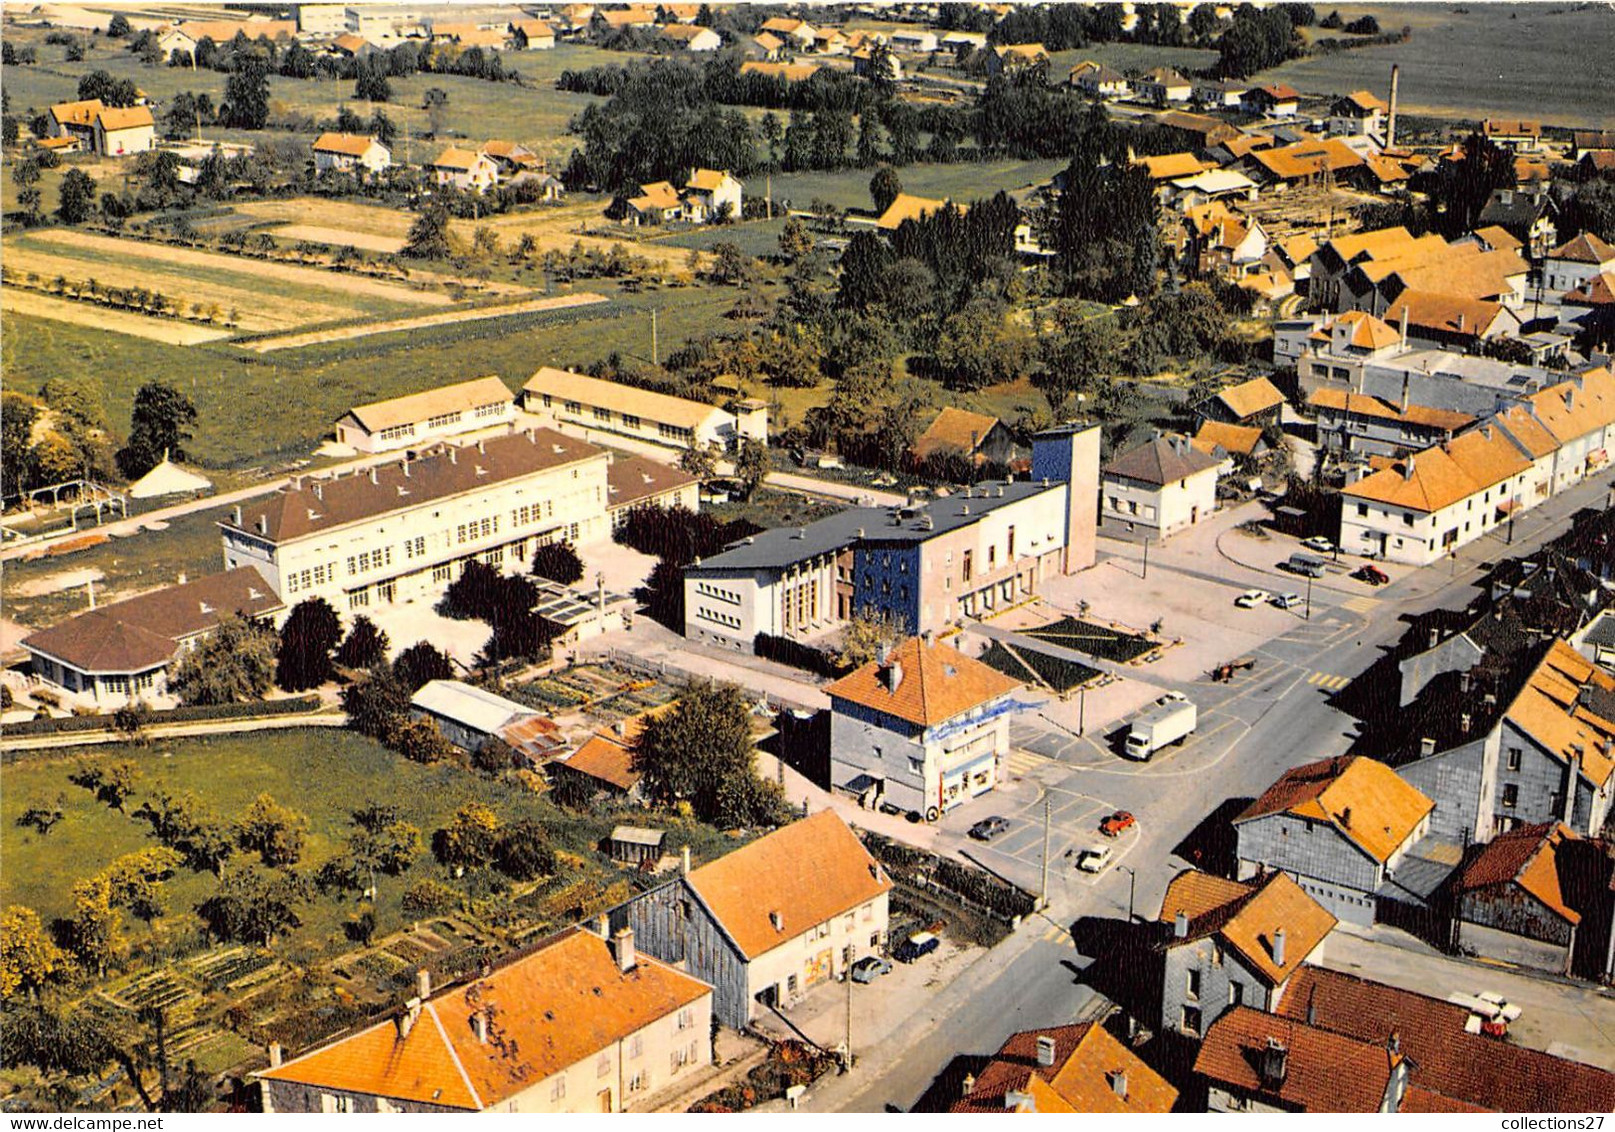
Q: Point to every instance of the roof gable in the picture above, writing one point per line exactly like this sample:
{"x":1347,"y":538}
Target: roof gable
{"x":1366,"y":801}
{"x":935,"y":683}
{"x":1160,"y":462}
{"x":417,"y":408}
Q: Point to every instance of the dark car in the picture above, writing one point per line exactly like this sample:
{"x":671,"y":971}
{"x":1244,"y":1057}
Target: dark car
{"x":1371,"y":574}
{"x":870,"y":968}
{"x":1116,"y":823}
{"x":915,"y":947}
{"x":988,"y":828}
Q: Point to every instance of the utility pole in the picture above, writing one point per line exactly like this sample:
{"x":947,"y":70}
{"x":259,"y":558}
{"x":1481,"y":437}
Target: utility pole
{"x":653,"y":360}
{"x":1132,"y":884}
{"x":1146,"y":572}
{"x":771,"y":194}
{"x":1309,"y":598}
{"x":847,"y":975}
{"x":1082,"y":710}
{"x":1043,"y":891}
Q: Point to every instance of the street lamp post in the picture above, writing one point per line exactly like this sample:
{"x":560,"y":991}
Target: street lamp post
{"x":1146,"y":572}
{"x":1082,"y":710}
{"x":1132,"y":886}
{"x":1309,"y":598}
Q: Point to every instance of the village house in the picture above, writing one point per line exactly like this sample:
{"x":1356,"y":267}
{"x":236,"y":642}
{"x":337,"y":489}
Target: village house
{"x":184,"y":36}
{"x":349,"y":153}
{"x":350,"y":46}
{"x":977,"y":437}
{"x":465,"y":170}
{"x":1157,"y":489}
{"x":1303,"y":162}
{"x":764,"y":45}
{"x":1577,"y":262}
{"x":1099,"y":81}
{"x":578,"y":1024}
{"x":1066,"y":1069}
{"x":922,"y":565}
{"x":108,"y":131}
{"x":796,"y":32}
{"x":1232,"y":944}
{"x":1369,"y":426}
{"x":1530,"y":215}
{"x":608,"y":406}
{"x":864,"y":59}
{"x":1547,"y":758}
{"x":604,"y":763}
{"x":402,"y":531}
{"x":1162,"y":85}
{"x":1452,"y":1067}
{"x":678,"y":13}
{"x":1009,"y":58}
{"x":923,"y":727}
{"x":1339,"y":828}
{"x":712,"y":194}
{"x":532,"y":35}
{"x":322,"y":19}
{"x":915,"y":41}
{"x":1584,"y":143}
{"x":691,"y":38}
{"x":1256,"y":401}
{"x":467,"y":716}
{"x":1271,"y":100}
{"x":1166,"y":167}
{"x":1512,"y":133}
{"x":433,"y":414}
{"x":1218,"y":94}
{"x":511,"y":158}
{"x":906,"y":206}
{"x":467,"y":35}
{"x":1226,"y":441}
{"x":656,"y":203}
{"x":1436,"y":321}
{"x":1254,"y":1062}
{"x":1358,"y":114}
{"x":1207,"y":133}
{"x":1219,"y":241}
{"x":767,"y":923}
{"x":1511,"y":902}
{"x":125,"y":652}
{"x":1331,"y":261}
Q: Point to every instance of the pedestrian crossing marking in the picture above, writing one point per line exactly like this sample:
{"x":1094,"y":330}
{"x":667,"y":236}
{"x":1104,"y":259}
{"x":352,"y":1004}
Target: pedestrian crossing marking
{"x":1361,"y":604}
{"x":1057,"y":934}
{"x":1328,"y":681}
{"x":1025,"y":762}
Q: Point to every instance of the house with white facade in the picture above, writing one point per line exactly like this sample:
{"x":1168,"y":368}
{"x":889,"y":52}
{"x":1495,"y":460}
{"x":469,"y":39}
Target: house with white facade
{"x":349,"y":153}
{"x":465,"y":169}
{"x":1097,"y":80}
{"x":122,"y":131}
{"x":433,"y":414}
{"x":923,"y":728}
{"x":1579,"y":261}
{"x":125,"y":652}
{"x":593,"y":403}
{"x":712,"y":193}
{"x":770,"y":921}
{"x":1358,"y":114}
{"x":577,"y":1024}
{"x":1162,"y":85}
{"x":1157,"y":489}
{"x":1232,"y":944}
{"x":402,"y":531}
{"x":1339,"y":827}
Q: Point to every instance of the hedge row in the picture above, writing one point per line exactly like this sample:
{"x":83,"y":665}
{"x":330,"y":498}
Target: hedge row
{"x":294,"y":706}
{"x":971,"y":886}
{"x":797,"y":655}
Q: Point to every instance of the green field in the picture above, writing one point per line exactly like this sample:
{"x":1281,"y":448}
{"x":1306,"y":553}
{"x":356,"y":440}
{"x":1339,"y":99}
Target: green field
{"x":963,"y":182}
{"x":1552,"y":63}
{"x":1129,"y":57}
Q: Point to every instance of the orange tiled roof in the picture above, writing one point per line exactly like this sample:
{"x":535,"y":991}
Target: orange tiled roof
{"x":1585,"y":248}
{"x":1247,"y":916}
{"x":1376,"y":243}
{"x":937,"y":683}
{"x":1240,"y":440}
{"x":1524,"y":855}
{"x":657,"y":195}
{"x":352,"y":145}
{"x":1572,"y":409}
{"x":77,"y":113}
{"x":1364,"y":101}
{"x":1324,"y":1072}
{"x":1366,"y":801}
{"x":906,"y":206}
{"x":1307,"y":158}
{"x":1365,"y":405}
{"x":1459,"y":314}
{"x":352,"y":44}
{"x":1084,"y":1076}
{"x":1487,"y":456}
{"x":1526,"y":430}
{"x":124,"y":118}
{"x":456,"y":158}
{"x":550,"y":1009}
{"x":955,"y":429}
{"x":1424,"y":482}
{"x":1548,"y":709}
{"x":1248,"y":398}
{"x":802,"y":875}
{"x":707,"y":180}
{"x":1168,"y":166}
{"x":1499,"y":238}
{"x":1368,"y":332}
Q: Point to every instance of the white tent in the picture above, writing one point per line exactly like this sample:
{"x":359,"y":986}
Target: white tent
{"x":167,"y":478}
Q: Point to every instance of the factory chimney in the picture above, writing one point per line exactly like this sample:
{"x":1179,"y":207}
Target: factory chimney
{"x":1390,"y":117}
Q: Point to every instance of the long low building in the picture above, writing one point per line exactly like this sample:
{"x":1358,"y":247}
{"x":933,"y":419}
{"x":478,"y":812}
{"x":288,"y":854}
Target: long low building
{"x":420,"y":418}
{"x":124,"y":652}
{"x":611,"y":407}
{"x":404,"y":530}
{"x":984,"y":548}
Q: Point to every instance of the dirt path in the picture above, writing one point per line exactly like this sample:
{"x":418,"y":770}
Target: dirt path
{"x":241,"y":265}
{"x":342,"y":334}
{"x":171,"y":331}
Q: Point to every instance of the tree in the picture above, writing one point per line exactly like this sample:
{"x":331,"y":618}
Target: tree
{"x":246,"y":92}
{"x":700,"y":461}
{"x":428,"y":897}
{"x":429,"y":234}
{"x":495,"y":756}
{"x":100,"y":85}
{"x":694,"y":752}
{"x":306,"y":640}
{"x":884,"y":188}
{"x":865,"y":634}
{"x":419,"y":665}
{"x":559,"y":562}
{"x":254,"y":905}
{"x":377,"y":704}
{"x":731,"y":265}
{"x":365,"y":645}
{"x":77,"y":197}
{"x":29,"y":960}
{"x":273,"y":831}
{"x":297,"y":62}
{"x":523,"y":852}
{"x":420,"y":741}
{"x":118,"y":26}
{"x":234,"y":665}
{"x":795,"y":241}
{"x":469,"y":840}
{"x":371,"y":79}
{"x":136,"y":880}
{"x":382,"y":840}
{"x":159,"y":425}
{"x":751,"y":465}
{"x":1464,"y":183}
{"x":17,"y":417}
{"x":95,"y":929}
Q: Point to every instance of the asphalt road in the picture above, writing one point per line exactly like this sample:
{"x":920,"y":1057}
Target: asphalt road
{"x":1251,"y":730}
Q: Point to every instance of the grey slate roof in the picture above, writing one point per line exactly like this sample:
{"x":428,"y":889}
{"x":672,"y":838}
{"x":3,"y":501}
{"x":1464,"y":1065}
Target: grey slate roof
{"x":1160,"y":461}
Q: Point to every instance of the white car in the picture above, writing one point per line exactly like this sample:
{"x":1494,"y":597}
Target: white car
{"x":1096,"y":859}
{"x":1285,"y":601}
{"x":1319,"y":544}
{"x":1250,"y":599}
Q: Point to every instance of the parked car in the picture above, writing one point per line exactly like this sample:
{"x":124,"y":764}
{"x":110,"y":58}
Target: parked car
{"x":1116,"y":823}
{"x":1096,"y":859}
{"x":1307,"y":565}
{"x":1371,"y":574}
{"x":1285,"y":601}
{"x":1251,"y":598}
{"x":916,"y":946}
{"x":1319,"y":543}
{"x":988,"y":828}
{"x":870,"y":968}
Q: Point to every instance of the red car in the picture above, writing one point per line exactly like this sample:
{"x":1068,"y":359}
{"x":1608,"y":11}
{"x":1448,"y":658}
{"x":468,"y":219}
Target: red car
{"x":1371,"y":574}
{"x":1116,"y":822}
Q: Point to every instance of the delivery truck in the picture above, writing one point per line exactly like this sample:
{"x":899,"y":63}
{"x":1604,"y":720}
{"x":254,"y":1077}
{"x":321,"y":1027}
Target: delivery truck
{"x":1171,"y":720}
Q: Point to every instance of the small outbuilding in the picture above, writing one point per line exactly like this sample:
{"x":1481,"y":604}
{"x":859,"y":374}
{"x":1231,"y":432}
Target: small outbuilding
{"x":636,"y":845}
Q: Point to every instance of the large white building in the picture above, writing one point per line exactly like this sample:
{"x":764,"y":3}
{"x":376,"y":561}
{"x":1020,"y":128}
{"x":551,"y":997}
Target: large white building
{"x":1158,"y":488}
{"x":400,"y":531}
{"x":420,"y":418}
{"x":609,"y":406}
{"x":923,"y":727}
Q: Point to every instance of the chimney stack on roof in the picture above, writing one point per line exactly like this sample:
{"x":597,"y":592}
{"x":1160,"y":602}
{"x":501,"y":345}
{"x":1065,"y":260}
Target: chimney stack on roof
{"x":1045,"y":1050}
{"x":1118,"y":1082}
{"x":1275,"y":1064}
{"x":893,"y":676}
{"x":684,"y":861}
{"x":275,"y":1056}
{"x":1278,"y":947}
{"x":1180,"y":925}
{"x":968,"y":1085}
{"x":622,"y":948}
{"x":423,"y":983}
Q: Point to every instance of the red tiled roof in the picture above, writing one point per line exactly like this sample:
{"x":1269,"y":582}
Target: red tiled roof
{"x":1084,"y":1073}
{"x":954,"y":429}
{"x":936,"y":683}
{"x":1524,"y":855}
{"x":1246,"y":916}
{"x":1324,"y":1072}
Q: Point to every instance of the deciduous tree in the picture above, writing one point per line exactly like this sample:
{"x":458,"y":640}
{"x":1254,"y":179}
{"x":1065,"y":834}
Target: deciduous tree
{"x":29,"y":959}
{"x":303,"y":660}
{"x":235,"y":664}
{"x":273,"y":831}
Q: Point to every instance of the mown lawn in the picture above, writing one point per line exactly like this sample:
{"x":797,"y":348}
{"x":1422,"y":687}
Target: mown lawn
{"x":963,"y":182}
